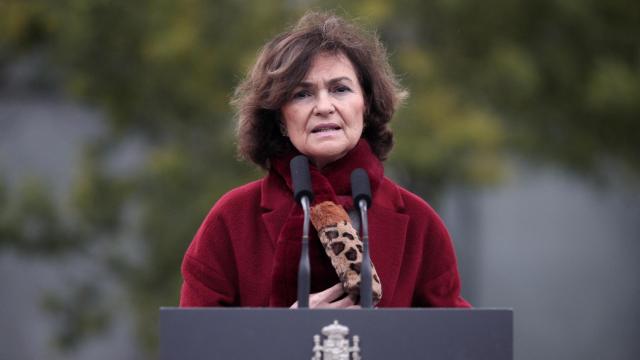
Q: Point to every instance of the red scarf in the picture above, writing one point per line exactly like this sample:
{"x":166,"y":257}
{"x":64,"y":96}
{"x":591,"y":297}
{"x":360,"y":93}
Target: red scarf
{"x":331,"y":183}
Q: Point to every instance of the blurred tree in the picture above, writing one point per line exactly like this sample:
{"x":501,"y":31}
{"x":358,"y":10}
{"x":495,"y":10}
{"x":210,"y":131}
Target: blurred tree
{"x":558,"y":81}
{"x":563,"y":76}
{"x":30,"y":223}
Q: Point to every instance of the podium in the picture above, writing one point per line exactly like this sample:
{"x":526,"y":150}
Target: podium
{"x":259,"y":333}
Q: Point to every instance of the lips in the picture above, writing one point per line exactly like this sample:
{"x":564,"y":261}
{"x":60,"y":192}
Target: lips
{"x":325,"y":127}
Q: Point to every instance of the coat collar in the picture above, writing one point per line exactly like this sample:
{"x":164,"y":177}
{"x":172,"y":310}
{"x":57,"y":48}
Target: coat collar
{"x":333,"y":182}
{"x":388,"y":225}
{"x":277,"y":203}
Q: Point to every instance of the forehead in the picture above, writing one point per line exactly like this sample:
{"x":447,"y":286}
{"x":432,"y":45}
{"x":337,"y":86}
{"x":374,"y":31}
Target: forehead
{"x":328,"y":66}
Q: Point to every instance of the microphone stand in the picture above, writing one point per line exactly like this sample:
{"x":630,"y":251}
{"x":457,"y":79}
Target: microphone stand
{"x":361,"y":192}
{"x":303,"y":193}
{"x":304,"y":268}
{"x":365,"y":274}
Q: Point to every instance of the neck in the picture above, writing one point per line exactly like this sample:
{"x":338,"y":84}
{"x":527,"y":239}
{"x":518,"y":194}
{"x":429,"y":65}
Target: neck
{"x":321,"y":163}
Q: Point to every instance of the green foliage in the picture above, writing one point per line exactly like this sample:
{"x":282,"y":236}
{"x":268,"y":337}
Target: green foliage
{"x":98,"y":196}
{"x":30,"y":223}
{"x":553,"y":80}
{"x":443,"y":137}
{"x":24,"y":24}
{"x":562,"y":76}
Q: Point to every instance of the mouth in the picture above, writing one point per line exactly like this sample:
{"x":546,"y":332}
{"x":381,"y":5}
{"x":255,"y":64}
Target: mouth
{"x":325,"y":128}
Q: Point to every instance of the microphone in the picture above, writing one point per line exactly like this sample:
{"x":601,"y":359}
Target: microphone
{"x":301,"y":178}
{"x":360,"y":187}
{"x":361,"y":193}
{"x":303,"y":193}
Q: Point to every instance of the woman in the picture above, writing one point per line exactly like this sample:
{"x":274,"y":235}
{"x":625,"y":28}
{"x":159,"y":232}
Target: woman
{"x":323,"y":89}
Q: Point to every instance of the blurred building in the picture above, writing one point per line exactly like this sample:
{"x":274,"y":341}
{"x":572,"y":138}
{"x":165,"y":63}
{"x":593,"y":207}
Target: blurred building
{"x":561,"y":251}
{"x":42,"y":135}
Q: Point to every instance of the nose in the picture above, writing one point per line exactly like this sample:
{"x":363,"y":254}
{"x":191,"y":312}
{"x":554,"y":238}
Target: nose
{"x":324,"y":104}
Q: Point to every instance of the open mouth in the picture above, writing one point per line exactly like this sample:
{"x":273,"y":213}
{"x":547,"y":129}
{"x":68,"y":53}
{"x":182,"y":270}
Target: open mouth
{"x":324,"y":128}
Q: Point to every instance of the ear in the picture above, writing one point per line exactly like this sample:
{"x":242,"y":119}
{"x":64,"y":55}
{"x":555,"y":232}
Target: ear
{"x":281,"y":125}
{"x":283,"y":129}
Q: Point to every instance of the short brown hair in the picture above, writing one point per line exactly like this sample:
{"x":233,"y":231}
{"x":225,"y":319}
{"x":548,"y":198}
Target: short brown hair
{"x":284,"y":62}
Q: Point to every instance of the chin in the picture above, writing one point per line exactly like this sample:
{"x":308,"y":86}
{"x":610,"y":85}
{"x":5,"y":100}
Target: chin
{"x":327,"y":157}
{"x":328,"y":152}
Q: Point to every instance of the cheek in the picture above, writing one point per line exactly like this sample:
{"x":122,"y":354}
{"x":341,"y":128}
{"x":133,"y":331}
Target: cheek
{"x":358,"y":115}
{"x":288,"y":119}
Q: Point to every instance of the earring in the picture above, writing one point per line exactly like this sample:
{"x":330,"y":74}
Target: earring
{"x":283,"y":129}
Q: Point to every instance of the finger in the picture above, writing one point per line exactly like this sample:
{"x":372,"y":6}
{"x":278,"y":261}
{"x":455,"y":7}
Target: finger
{"x":354,"y":307}
{"x":346,"y":302}
{"x":294,"y":306}
{"x":342,"y":303}
{"x":330,"y":294}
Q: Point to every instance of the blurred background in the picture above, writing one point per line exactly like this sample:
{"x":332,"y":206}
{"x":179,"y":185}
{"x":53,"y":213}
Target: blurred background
{"x":116,"y":137}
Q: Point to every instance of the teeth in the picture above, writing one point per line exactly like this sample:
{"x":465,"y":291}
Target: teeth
{"x":325,"y":129}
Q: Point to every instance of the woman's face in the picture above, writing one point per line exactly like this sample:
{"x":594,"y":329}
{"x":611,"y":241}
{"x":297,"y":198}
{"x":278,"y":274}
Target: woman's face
{"x":324,"y":117}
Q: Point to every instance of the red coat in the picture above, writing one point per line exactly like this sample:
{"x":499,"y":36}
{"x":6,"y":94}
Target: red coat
{"x":235,"y":260}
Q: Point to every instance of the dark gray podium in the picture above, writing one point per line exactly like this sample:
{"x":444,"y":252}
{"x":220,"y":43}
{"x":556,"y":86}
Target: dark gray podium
{"x":247,"y":333}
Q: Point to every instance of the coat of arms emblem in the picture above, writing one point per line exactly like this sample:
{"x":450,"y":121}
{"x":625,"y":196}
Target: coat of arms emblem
{"x":335,"y":344}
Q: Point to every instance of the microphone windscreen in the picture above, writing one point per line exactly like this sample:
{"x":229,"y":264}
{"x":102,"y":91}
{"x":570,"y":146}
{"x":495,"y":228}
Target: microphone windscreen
{"x":360,"y":187}
{"x":301,"y":178}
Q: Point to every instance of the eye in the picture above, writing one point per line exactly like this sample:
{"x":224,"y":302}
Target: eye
{"x":342,"y":89}
{"x":301,"y":94}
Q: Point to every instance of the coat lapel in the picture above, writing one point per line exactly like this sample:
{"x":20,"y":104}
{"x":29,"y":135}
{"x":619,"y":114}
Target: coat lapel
{"x":276,"y":205}
{"x":387,"y":235}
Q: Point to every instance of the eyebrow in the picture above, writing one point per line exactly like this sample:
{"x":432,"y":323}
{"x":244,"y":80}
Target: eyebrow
{"x":331,"y":81}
